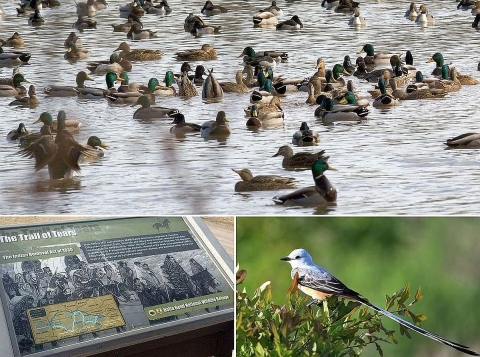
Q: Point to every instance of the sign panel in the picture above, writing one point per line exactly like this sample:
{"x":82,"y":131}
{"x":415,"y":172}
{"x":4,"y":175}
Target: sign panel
{"x":78,"y":282}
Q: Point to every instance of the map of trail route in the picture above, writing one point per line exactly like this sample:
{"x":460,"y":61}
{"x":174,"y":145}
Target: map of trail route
{"x":74,"y":318}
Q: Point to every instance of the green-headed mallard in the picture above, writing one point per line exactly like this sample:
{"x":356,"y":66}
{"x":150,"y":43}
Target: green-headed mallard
{"x":211,"y":89}
{"x":412,"y":12}
{"x":209,"y":9}
{"x":330,"y":113}
{"x":464,"y":141}
{"x":95,"y":144}
{"x":153,"y":87}
{"x":200,"y":28}
{"x":219,"y":126}
{"x":357,"y":20}
{"x":375,"y":58}
{"x":83,"y":23}
{"x":138,"y":54}
{"x":149,"y":112}
{"x":15,"y":40}
{"x":262,"y":182}
{"x":322,"y":193}
{"x":30,"y":100}
{"x":75,"y":53}
{"x":181,"y":127}
{"x":265,"y":18}
{"x":439,"y":62}
{"x":186,"y":88}
{"x":98,"y":93}
{"x":298,"y":160}
{"x":238,"y":87}
{"x":424,"y":18}
{"x":305,"y":136}
{"x":205,"y":53}
{"x":384,"y":100}
{"x":263,"y":95}
{"x":274,"y":9}
{"x":416,"y":93}
{"x":13,"y":58}
{"x":68,"y":91}
{"x":293,"y":24}
{"x":18,"y":133}
{"x":12,"y":90}
{"x":334,"y":77}
{"x":263,"y":58}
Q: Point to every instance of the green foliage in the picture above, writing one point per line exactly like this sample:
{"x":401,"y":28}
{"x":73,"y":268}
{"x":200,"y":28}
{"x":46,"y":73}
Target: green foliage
{"x":337,"y":327}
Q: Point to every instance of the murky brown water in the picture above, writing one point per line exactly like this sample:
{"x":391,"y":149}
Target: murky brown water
{"x":392,"y":163}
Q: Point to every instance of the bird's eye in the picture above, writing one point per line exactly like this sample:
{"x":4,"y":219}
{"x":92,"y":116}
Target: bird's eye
{"x":297,"y":257}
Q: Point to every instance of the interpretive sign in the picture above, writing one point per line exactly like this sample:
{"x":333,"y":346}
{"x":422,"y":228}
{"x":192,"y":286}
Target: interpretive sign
{"x":75,"y":284}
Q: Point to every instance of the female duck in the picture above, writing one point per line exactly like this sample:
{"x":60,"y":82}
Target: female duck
{"x":238,"y":87}
{"x":298,"y":160}
{"x":149,"y":112}
{"x":262,"y":182}
{"x":18,"y":133}
{"x":181,"y":127}
{"x":138,"y":54}
{"x":205,"y":53}
{"x":29,"y":101}
{"x":211,"y":89}
{"x":219,"y":126}
{"x":464,"y":141}
{"x":271,"y":114}
{"x":412,"y":12}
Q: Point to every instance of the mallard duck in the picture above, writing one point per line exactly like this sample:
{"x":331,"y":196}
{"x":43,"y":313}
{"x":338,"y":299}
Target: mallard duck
{"x":476,"y":10}
{"x":123,"y":98}
{"x":36,"y":19}
{"x":417,"y":93}
{"x":375,"y":58}
{"x":15,"y":40}
{"x":209,"y":9}
{"x":149,"y":112}
{"x":205,"y":53}
{"x":161,"y":8}
{"x":466,"y":5}
{"x":181,"y":127}
{"x":333,"y":76}
{"x":125,"y":27}
{"x":356,"y":19}
{"x":424,"y":18}
{"x":237,"y":87}
{"x":88,"y":8}
{"x":98,"y":93}
{"x":135,"y":8}
{"x":349,"y":97}
{"x":330,"y":113}
{"x":126,"y":85}
{"x":211,"y":89}
{"x":347,"y":65}
{"x":71,"y":125}
{"x":83,"y":23}
{"x":18,"y":133}
{"x":274,"y":9}
{"x":271,"y":113}
{"x":95,"y":144}
{"x":29,"y":101}
{"x":13,"y":90}
{"x":262,"y":182}
{"x":136,"y":32}
{"x":293,"y":24}
{"x":412,"y":12}
{"x":464,"y":141}
{"x":68,"y":91}
{"x":330,"y":4}
{"x":265,"y":18}
{"x":200,"y":28}
{"x":138,"y":54}
{"x":72,"y":37}
{"x":263,"y":59}
{"x":253,"y":122}
{"x":384,"y":100}
{"x":74,"y":53}
{"x":322,"y":193}
{"x":13,"y":58}
{"x":219,"y":126}
{"x":114,"y":64}
{"x":263,"y":95}
{"x":154,"y":87}
{"x":186,"y":88}
{"x":346,"y":6}
{"x":298,"y":160}
{"x":305,"y":136}
{"x":190,"y":21}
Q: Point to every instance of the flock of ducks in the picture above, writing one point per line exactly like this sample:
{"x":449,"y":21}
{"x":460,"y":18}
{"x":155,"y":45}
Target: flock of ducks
{"x":394,"y":79}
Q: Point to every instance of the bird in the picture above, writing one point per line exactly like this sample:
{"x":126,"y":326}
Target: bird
{"x":161,"y":8}
{"x":298,"y":160}
{"x":417,"y":93}
{"x":424,"y":18}
{"x":136,"y":32}
{"x":293,"y":24}
{"x":209,"y":9}
{"x":111,"y":65}
{"x":72,"y":37}
{"x":270,"y":114}
{"x":99,"y":93}
{"x":274,"y":9}
{"x":319,"y":284}
{"x":356,"y":19}
{"x":219,"y":126}
{"x":15,"y":40}
{"x":18,"y":133}
{"x":75,"y":53}
{"x":125,"y":27}
{"x":305,"y":136}
{"x":14,"y":89}
{"x":83,"y":23}
{"x":205,"y":53}
{"x":30,"y":100}
{"x":200,"y":28}
{"x":331,"y":113}
{"x":36,"y":19}
{"x":323,"y":192}
{"x":384,"y":100}
{"x":181,"y":127}
{"x":96,"y":152}
{"x":190,"y":22}
{"x":262,"y":182}
{"x":138,"y":54}
{"x":154,"y":88}
{"x":375,"y":58}
{"x":265,"y":18}
{"x":238,"y":87}
{"x":148,"y":112}
{"x":186,"y":88}
{"x":13,"y":58}
{"x":71,"y":125}
{"x":412,"y":12}
{"x":211,"y":89}
{"x":464,"y":141}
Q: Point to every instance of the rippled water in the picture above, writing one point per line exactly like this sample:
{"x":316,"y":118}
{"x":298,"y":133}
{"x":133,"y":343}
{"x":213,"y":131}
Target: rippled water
{"x":392,"y":163}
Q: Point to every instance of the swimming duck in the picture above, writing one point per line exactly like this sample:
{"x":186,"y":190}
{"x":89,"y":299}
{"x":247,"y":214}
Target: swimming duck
{"x":356,"y":19}
{"x":181,"y":127}
{"x":36,"y":19}
{"x":200,"y":28}
{"x":262,"y":182}
{"x":123,"y":98}
{"x":464,"y":141}
{"x":385,"y":99}
{"x":71,"y":125}
{"x":331,"y":113}
{"x":333,"y":77}
{"x":346,"y":6}
{"x":98,"y":93}
{"x":274,"y":9}
{"x":322,"y":193}
{"x":424,"y":18}
{"x":16,"y":134}
{"x":205,"y":53}
{"x":74,"y":53}
{"x":161,"y":8}
{"x":348,"y":96}
{"x":30,"y":100}
{"x":138,"y":54}
{"x":13,"y":58}
{"x":263,"y":95}
{"x":125,"y":27}
{"x":72,"y":37}
{"x":347,"y":65}
{"x":253,"y":122}
{"x":13,"y":90}
{"x":135,"y":8}
{"x":149,"y":112}
{"x":114,"y":64}
{"x":68,"y":91}
{"x":417,"y":93}
{"x":186,"y":88}
{"x":412,"y":12}
{"x":15,"y":40}
{"x":88,"y":8}
{"x":265,"y":18}
{"x":190,"y":22}
{"x":211,"y":89}
{"x":305,"y":136}
{"x":136,"y":32}
{"x":153,"y":87}
{"x":209,"y":9}
{"x":293,"y":24}
{"x":270,"y":114}
{"x":298,"y":160}
{"x":95,"y":144}
{"x":237,"y":87}
{"x":263,"y":59}
{"x":476,"y":10}
{"x":219,"y":126}
{"x":126,"y":85}
{"x":449,"y":81}
{"x":375,"y":58}
{"x":83,"y":23}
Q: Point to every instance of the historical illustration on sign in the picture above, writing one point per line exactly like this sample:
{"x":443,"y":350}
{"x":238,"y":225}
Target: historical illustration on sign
{"x":66,"y":284}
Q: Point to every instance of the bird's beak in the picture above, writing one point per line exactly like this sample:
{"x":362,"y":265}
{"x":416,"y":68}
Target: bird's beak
{"x":331,"y":168}
{"x":103,"y":145}
{"x":287,"y":258}
{"x":430,"y":60}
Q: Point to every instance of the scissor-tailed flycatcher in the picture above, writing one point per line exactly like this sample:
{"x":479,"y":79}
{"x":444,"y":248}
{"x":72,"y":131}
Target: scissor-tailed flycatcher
{"x":318,"y":283}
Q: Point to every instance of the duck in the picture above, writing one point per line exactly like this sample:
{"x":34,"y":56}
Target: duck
{"x":305,"y":136}
{"x":263,"y":59}
{"x":123,"y":98}
{"x":74,"y":53}
{"x":95,"y":144}
{"x":36,"y":19}
{"x":126,"y":85}
{"x":98,"y":93}
{"x":424,"y":18}
{"x":263,"y":95}
{"x":88,"y":8}
{"x":13,"y":58}
{"x":375,"y":58}
{"x":72,"y":37}
{"x":270,"y":114}
{"x":347,"y":65}
{"x":133,"y":8}
{"x":138,"y":54}
{"x":330,"y":113}
{"x":466,"y":4}
{"x":126,"y":26}
{"x":136,"y":32}
{"x":412,"y":12}
{"x":153,"y":87}
{"x":211,"y":89}
{"x":265,"y":19}
{"x":356,"y":19}
{"x":449,"y":81}
{"x":219,"y":126}
{"x":298,"y":160}
{"x":464,"y":141}
{"x":322,"y":193}
{"x":186,"y":88}
{"x":161,"y":8}
{"x":68,"y":91}
{"x":346,"y":6}
{"x":417,"y":93}
{"x":83,"y":23}
{"x":293,"y":24}
{"x":15,"y":40}
{"x":197,"y":78}
{"x":384,"y":100}
{"x":18,"y":133}
{"x":181,"y":127}
{"x":330,"y":4}
{"x":200,"y":28}
{"x":112,"y":65}
{"x":15,"y":89}
{"x":262,"y":182}
{"x":190,"y":22}
{"x":333,"y":77}
{"x":71,"y":125}
{"x":274,"y":9}
{"x":30,"y":100}
{"x":148,"y":112}
{"x":209,"y":9}
{"x":238,"y":87}
{"x":205,"y":53}
{"x":253,"y":122}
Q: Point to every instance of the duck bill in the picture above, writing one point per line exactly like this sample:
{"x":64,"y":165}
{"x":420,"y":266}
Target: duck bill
{"x":103,"y":145}
{"x":331,"y":168}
